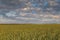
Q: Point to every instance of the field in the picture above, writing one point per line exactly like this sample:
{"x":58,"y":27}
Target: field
{"x":30,"y":32}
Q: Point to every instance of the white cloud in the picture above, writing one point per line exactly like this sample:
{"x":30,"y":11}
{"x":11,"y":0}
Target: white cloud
{"x":11,"y":13}
{"x":6,"y":20}
{"x":23,"y":14}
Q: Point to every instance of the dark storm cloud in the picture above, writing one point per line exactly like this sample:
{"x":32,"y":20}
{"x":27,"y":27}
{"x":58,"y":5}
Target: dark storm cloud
{"x":13,"y":3}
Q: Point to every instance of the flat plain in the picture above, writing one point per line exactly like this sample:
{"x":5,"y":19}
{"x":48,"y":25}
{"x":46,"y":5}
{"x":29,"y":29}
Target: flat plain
{"x":30,"y":32}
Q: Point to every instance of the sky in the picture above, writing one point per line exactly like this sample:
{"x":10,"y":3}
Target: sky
{"x":29,"y":11}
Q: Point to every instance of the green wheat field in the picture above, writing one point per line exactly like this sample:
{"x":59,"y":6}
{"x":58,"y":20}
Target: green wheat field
{"x":30,"y":32}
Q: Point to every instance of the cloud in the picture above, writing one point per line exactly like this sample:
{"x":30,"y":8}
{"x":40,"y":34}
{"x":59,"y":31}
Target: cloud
{"x":6,"y":20}
{"x":23,"y":14}
{"x":25,"y":11}
{"x":11,"y":14}
{"x":28,"y":20}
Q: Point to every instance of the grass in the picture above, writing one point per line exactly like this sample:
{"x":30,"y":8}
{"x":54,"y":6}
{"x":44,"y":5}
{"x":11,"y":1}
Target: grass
{"x":30,"y":32}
